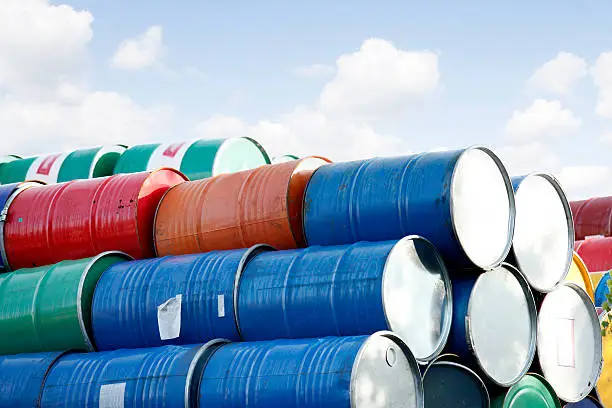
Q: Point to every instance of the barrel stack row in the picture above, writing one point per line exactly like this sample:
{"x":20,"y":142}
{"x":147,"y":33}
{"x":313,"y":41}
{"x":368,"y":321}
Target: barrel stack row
{"x":427,"y":280}
{"x":196,"y":159}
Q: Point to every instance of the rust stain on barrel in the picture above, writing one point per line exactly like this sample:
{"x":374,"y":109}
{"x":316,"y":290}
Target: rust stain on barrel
{"x":238,"y":210}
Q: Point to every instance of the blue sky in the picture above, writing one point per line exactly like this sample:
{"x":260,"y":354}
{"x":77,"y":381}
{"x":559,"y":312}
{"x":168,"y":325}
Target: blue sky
{"x":212,"y":69}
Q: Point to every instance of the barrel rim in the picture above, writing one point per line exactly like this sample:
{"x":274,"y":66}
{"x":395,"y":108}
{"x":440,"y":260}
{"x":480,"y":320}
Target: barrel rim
{"x":512,"y":204}
{"x":533,"y":312}
{"x":448,"y":310}
{"x":457,"y":364}
{"x":598,"y":366}
{"x":544,"y":382}
{"x":569,"y":218}
{"x":414,"y":365}
{"x":149,"y":174}
{"x":300,"y":241}
{"x":21,"y":187}
{"x":102,"y":150}
{"x":230,"y":140}
{"x":59,"y":354}
{"x":585,"y":273}
{"x":248,"y":255}
{"x":88,"y":340}
{"x":197,"y":367}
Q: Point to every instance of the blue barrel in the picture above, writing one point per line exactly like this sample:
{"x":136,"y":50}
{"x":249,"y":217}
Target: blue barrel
{"x":335,"y":372}
{"x":142,"y":378}
{"x":7,"y":193}
{"x":588,"y":402}
{"x":602,"y":290}
{"x":348,"y":290}
{"x":494,"y":323}
{"x":448,"y":384}
{"x":22,"y":377}
{"x":462,"y":201}
{"x":184,"y":299}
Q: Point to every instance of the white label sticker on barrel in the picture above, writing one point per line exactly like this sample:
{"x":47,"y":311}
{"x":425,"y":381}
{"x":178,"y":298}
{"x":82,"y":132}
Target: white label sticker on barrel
{"x":46,"y":168}
{"x":112,"y":395}
{"x":168,"y":155}
{"x":566,"y":356}
{"x":169,"y":318}
{"x":221,"y":305}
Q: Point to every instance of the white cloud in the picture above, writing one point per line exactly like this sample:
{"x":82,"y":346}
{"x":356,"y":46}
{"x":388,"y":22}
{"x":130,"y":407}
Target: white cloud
{"x":543,"y":118}
{"x":526,"y":158}
{"x":602,"y":76}
{"x":306,"y":131}
{"x":45,"y":102}
{"x":379,"y":78}
{"x":560,"y":74}
{"x":606,"y":138}
{"x":315,"y":71}
{"x":41,"y":45}
{"x":141,"y":52}
{"x":581,"y":182}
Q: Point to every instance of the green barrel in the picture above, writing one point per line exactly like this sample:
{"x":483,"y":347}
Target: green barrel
{"x":15,"y":171}
{"x":60,"y":167}
{"x":197,"y":159}
{"x":532,"y":391}
{"x":49,"y":308}
{"x":284,"y":158}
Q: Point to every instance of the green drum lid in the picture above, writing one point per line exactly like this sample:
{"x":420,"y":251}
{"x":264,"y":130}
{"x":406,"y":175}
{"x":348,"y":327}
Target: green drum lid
{"x":532,"y":391}
{"x":15,"y":171}
{"x":90,"y":163}
{"x":284,"y":158}
{"x":237,"y":154}
{"x":8,"y":158}
{"x":135,"y":159}
{"x":49,"y":308}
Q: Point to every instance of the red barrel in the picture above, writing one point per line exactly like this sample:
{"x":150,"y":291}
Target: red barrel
{"x":83,"y":218}
{"x":592,"y":217}
{"x":596,"y":253}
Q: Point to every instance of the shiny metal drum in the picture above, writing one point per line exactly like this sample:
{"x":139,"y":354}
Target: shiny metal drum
{"x":449,"y":384}
{"x":494,"y":323}
{"x":569,"y":342}
{"x":349,"y":290}
{"x":543,"y":241}
{"x":376,"y":371}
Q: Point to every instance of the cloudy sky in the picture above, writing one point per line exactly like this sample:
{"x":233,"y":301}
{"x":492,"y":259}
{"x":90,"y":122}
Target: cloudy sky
{"x":343,"y":79}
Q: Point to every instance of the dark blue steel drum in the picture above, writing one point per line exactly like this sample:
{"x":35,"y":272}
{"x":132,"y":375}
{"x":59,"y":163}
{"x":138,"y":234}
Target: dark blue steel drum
{"x":462,"y":201}
{"x":335,"y":372}
{"x":142,"y":378}
{"x":22,"y":377}
{"x":348,"y":290}
{"x":7,"y":193}
{"x":184,"y":299}
{"x":588,"y":402}
{"x":494,"y":323}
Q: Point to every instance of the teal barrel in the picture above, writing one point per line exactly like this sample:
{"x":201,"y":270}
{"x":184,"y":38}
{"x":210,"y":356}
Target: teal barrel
{"x":197,"y":159}
{"x":49,"y":308}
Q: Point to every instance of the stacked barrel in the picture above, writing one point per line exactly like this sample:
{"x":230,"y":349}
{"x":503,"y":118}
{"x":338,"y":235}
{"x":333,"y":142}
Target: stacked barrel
{"x":430,"y":280}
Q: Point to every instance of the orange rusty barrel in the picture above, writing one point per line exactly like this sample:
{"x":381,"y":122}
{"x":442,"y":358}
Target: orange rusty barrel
{"x":239,"y":210}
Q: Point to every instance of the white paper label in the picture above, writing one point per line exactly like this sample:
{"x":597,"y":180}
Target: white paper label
{"x":221,"y":305}
{"x":565,"y":343}
{"x":169,"y":318}
{"x":112,"y":395}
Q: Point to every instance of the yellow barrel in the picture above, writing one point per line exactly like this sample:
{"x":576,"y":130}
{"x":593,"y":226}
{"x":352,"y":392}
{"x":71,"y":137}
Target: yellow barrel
{"x":596,"y":277}
{"x":579,"y":274}
{"x":604,"y":384}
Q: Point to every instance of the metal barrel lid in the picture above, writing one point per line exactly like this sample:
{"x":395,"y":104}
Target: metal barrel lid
{"x":284,"y":158}
{"x":543,"y":242}
{"x":569,"y":342}
{"x":532,"y":391}
{"x":588,"y":402}
{"x":415,"y":279}
{"x":482,"y":207}
{"x":385,"y":374}
{"x":448,"y":384}
{"x":239,"y":153}
{"x":501,"y":325}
